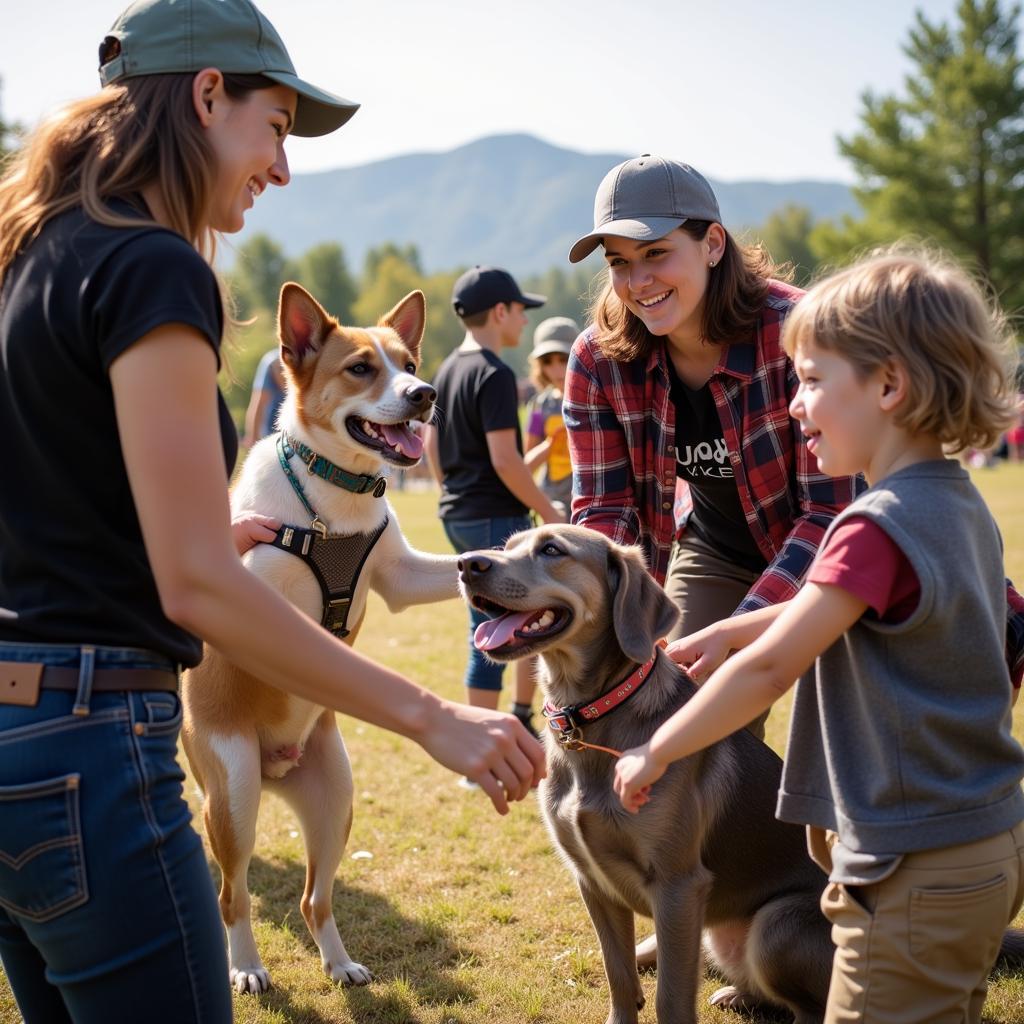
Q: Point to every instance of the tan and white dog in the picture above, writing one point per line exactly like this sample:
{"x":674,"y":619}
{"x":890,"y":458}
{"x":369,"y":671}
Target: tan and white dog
{"x":353,"y":398}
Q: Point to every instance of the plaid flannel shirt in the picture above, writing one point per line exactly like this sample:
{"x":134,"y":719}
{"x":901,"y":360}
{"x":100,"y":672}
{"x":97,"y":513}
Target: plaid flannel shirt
{"x":621,"y":428}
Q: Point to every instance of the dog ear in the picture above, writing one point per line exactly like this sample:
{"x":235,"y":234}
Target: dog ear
{"x":408,"y":319}
{"x":302,"y":324}
{"x":642,"y":613}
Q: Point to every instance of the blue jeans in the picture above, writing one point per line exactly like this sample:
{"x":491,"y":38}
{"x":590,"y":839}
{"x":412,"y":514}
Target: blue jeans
{"x":473,"y":535}
{"x":107,"y":908}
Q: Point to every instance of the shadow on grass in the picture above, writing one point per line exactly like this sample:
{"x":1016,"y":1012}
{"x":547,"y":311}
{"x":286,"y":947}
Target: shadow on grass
{"x":412,"y":958}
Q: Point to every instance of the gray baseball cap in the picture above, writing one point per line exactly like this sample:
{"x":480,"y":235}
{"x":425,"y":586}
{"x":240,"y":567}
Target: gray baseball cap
{"x":645,"y":198}
{"x":556,"y":334}
{"x":159,"y":37}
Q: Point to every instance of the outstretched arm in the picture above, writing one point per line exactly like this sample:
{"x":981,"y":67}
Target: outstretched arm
{"x":747,"y":684}
{"x":165,"y":397}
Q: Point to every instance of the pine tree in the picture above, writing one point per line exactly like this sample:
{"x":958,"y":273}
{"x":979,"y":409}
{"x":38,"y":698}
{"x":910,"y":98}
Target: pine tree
{"x":945,"y":162}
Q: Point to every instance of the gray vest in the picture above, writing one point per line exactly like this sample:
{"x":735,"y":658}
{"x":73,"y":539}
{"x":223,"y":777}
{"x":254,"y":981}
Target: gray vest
{"x":900,"y":734}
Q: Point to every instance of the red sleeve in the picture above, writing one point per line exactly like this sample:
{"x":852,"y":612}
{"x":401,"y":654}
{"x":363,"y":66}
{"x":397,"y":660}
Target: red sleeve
{"x":864,"y":560}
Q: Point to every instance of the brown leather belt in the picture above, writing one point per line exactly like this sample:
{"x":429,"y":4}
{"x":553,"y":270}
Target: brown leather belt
{"x":105,"y":680}
{"x":21,"y":681}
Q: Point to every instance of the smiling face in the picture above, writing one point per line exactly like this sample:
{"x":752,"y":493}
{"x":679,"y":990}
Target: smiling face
{"x":663,"y":282}
{"x":247,"y":136}
{"x":840,"y":412}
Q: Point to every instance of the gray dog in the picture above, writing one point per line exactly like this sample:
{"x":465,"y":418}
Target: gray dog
{"x":707,"y":854}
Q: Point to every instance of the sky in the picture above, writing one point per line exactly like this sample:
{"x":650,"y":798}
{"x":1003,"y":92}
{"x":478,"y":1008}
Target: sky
{"x":742,"y":89}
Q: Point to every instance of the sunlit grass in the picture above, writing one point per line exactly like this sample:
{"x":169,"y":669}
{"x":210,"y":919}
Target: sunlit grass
{"x":464,"y":917}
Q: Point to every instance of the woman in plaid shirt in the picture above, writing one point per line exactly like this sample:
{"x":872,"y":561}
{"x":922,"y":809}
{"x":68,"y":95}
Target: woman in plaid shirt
{"x":676,"y":402}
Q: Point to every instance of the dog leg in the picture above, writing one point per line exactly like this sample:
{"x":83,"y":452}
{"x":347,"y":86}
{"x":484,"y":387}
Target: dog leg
{"x":614,"y":926}
{"x":678,"y":923}
{"x":230,"y":810}
{"x":319,"y":790}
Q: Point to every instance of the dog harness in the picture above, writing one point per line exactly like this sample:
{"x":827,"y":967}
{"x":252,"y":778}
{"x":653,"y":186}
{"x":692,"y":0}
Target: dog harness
{"x":567,"y":723}
{"x":336,"y":560}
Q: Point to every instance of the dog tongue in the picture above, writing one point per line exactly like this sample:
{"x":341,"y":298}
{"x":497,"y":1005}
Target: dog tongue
{"x":496,"y":633}
{"x":399,"y":436}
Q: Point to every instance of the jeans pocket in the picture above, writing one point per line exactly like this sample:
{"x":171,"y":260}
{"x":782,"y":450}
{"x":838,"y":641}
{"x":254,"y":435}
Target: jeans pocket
{"x":42,"y":862}
{"x":162,"y":714}
{"x":951,"y":925}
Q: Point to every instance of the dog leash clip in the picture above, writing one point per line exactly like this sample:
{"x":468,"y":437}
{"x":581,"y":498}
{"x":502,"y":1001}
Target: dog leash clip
{"x":319,"y":527}
{"x":571,"y":739}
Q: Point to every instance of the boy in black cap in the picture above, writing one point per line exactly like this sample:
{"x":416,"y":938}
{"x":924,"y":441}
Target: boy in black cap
{"x":475,"y":449}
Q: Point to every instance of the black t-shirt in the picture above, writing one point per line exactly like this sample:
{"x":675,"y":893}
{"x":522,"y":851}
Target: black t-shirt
{"x":702,"y":460}
{"x":476,"y":393}
{"x":73,"y":567}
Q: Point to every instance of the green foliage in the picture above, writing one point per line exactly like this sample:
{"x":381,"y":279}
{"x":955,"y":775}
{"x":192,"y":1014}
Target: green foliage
{"x":786,"y":235}
{"x":9,"y":132}
{"x":261,"y":268}
{"x":323,"y":272}
{"x":945,"y":161}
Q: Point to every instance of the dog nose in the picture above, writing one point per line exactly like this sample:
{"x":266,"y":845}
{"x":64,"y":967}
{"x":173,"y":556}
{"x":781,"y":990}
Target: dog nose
{"x":421,"y":394}
{"x":474,"y":564}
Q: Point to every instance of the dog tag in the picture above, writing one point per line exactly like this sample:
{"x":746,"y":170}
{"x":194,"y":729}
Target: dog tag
{"x":19,"y":682}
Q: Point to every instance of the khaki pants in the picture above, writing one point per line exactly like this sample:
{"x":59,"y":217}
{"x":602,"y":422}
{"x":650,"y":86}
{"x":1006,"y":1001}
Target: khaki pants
{"x":706,"y":588}
{"x":918,"y":946}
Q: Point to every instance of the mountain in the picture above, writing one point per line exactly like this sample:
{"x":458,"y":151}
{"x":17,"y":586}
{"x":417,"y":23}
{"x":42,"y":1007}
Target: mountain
{"x":511,"y":200}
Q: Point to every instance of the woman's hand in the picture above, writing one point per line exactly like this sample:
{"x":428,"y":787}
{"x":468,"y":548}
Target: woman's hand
{"x":700,"y":653}
{"x":250,"y":528}
{"x":491,"y":748}
{"x":635,"y":772}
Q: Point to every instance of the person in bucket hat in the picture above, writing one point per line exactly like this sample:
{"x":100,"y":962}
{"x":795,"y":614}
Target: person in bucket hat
{"x":546,"y":445}
{"x":676,"y":404}
{"x":117,"y":560}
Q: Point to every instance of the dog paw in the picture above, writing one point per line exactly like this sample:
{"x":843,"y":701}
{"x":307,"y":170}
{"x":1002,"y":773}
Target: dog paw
{"x":348,"y":973}
{"x":254,"y":980}
{"x":729,"y":997}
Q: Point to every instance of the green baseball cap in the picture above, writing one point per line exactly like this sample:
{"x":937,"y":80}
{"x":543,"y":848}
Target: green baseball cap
{"x":159,"y":37}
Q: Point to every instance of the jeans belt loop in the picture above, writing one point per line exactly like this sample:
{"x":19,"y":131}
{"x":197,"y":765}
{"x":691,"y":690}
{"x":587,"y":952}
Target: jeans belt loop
{"x":85,"y":670}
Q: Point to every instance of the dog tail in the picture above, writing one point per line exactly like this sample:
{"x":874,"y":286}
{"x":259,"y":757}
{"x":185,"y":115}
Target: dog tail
{"x":1011,"y":952}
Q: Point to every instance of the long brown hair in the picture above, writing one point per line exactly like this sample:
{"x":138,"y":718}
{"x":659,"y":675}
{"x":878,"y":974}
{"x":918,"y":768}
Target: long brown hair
{"x":735,"y":293}
{"x":115,"y":143}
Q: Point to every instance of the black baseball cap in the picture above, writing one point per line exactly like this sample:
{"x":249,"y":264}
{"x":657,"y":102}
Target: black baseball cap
{"x":483,"y":287}
{"x":157,"y":37}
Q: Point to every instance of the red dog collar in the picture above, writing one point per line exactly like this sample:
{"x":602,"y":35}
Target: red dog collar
{"x":566,"y":722}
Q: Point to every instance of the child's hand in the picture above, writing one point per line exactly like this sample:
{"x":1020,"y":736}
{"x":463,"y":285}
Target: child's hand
{"x":635,"y":772}
{"x":250,"y":528}
{"x":700,"y":653}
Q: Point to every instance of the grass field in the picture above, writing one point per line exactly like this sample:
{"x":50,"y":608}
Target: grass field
{"x":464,"y":917}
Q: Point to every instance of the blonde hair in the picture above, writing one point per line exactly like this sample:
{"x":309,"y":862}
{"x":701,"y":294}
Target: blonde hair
{"x":735,"y":294}
{"x":924,"y":311}
{"x":142,"y":132}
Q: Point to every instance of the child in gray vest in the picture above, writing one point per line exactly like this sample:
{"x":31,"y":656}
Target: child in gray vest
{"x":900,"y":758}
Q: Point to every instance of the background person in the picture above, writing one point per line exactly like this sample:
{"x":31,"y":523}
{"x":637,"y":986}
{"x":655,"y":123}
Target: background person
{"x":116,"y":553}
{"x":265,"y":399}
{"x":900,"y":758}
{"x":475,"y":449}
{"x":546,"y":443}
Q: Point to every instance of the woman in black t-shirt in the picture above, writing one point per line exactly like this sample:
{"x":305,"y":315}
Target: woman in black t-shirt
{"x":116,"y":559}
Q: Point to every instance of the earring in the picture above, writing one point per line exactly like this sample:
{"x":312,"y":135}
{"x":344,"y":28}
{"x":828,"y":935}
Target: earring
{"x":711,"y":263}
